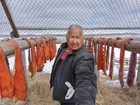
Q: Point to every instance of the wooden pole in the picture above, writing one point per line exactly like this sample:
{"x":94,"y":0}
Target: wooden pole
{"x":133,"y":46}
{"x":23,"y":44}
{"x":9,"y":49}
{"x":8,"y":14}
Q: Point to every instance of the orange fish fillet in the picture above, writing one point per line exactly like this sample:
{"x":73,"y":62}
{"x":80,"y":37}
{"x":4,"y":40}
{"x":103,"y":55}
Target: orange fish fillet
{"x":19,"y":78}
{"x":6,"y":78}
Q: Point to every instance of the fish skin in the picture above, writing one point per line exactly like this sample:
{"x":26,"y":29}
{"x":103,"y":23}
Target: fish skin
{"x":122,"y":55}
{"x":132,"y":68}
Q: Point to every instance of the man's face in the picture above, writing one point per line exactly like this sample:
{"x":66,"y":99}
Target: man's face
{"x":75,"y":39}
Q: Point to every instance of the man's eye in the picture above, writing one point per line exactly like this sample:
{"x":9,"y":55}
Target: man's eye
{"x":70,"y":37}
{"x":76,"y":37}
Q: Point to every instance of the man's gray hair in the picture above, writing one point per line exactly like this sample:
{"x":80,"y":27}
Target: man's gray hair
{"x":75,"y":26}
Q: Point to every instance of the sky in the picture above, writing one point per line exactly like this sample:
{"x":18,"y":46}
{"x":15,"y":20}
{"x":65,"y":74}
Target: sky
{"x":62,"y":13}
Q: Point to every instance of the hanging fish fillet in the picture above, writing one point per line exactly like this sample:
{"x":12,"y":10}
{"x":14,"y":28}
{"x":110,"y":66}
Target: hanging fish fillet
{"x":102,"y":64}
{"x":132,"y":67}
{"x":122,"y":55}
{"x":89,"y":45}
{"x":111,"y":59}
{"x":44,"y":48}
{"x":6,"y":78}
{"x":105,"y":40}
{"x":32,"y":60}
{"x":19,"y":78}
{"x":50,"y":49}
{"x":100,"y":55}
{"x":40,"y":55}
{"x":47,"y":54}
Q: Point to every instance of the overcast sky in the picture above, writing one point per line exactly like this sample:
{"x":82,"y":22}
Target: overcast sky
{"x":62,"y":13}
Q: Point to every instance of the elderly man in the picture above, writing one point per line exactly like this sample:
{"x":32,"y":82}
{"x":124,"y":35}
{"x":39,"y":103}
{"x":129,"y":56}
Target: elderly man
{"x":73,"y":76}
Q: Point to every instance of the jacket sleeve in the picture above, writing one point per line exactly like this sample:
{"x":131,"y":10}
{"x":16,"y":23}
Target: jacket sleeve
{"x":86,"y":81}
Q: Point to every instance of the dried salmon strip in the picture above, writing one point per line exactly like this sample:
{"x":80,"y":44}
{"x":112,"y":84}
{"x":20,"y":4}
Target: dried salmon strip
{"x":112,"y":57}
{"x":40,"y":55}
{"x":89,"y":45}
{"x":132,"y":69}
{"x":6,"y":78}
{"x":122,"y":55}
{"x":105,"y":40}
{"x":31,"y":58}
{"x":19,"y":78}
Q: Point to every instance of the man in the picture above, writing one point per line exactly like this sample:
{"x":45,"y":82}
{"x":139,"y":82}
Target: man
{"x":73,"y":76}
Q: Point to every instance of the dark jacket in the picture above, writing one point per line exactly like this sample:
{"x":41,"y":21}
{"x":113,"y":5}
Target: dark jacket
{"x":78,"y":70}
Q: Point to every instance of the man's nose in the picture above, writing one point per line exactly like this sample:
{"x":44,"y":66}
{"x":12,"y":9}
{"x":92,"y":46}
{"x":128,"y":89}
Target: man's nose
{"x":75,"y":40}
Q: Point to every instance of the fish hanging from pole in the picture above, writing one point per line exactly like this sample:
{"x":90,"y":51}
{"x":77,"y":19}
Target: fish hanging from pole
{"x":40,"y":54}
{"x":100,"y":56}
{"x":105,"y":40}
{"x":19,"y":77}
{"x":44,"y":41}
{"x":31,"y":58}
{"x":132,"y":69}
{"x":112,"y":57}
{"x":90,"y":49}
{"x":122,"y":56}
{"x":6,"y":78}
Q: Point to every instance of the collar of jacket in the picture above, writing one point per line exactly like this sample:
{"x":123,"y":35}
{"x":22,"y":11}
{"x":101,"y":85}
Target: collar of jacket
{"x":65,"y":45}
